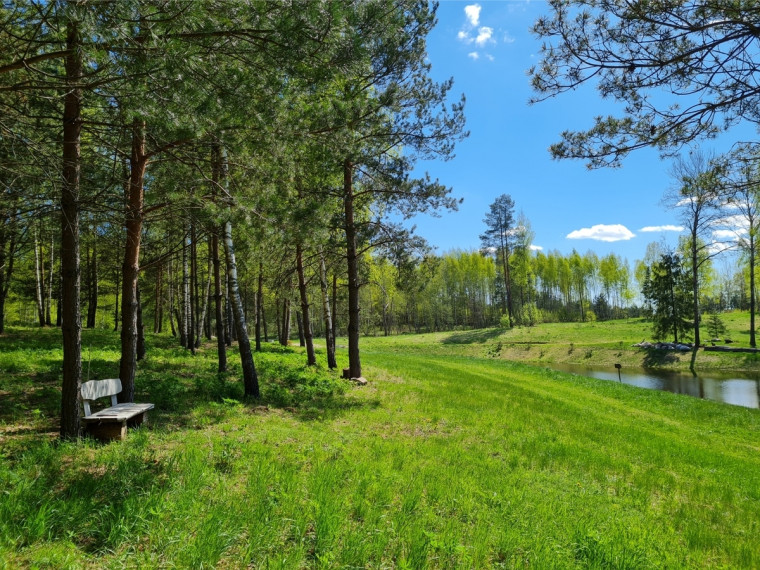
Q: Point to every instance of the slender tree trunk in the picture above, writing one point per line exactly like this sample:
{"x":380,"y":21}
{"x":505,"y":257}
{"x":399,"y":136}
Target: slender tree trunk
{"x":695,"y":286}
{"x":140,"y":328}
{"x":752,"y":293}
{"x":299,"y":324}
{"x":6,"y":267}
{"x":204,"y":308}
{"x":285,"y":327}
{"x":334,"y":308}
{"x":264,"y":322}
{"x":48,"y":304}
{"x":193,"y":293}
{"x":250,"y":378}
{"x":185,"y":304}
{"x":39,"y":278}
{"x":221,"y":346}
{"x":230,"y":330}
{"x":354,"y":361}
{"x":329,"y":338}
{"x":116,"y":304}
{"x":259,"y":305}
{"x":311,"y":359}
{"x":92,"y":305}
{"x":71,"y":325}
{"x":158,"y":301}
{"x":131,"y":266}
{"x":170,"y":289}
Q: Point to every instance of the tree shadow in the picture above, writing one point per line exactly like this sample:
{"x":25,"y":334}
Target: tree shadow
{"x":656,"y":358}
{"x":472,"y":337}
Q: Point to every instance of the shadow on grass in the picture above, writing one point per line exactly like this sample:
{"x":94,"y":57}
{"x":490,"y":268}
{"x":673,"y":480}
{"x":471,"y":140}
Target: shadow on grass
{"x":472,"y":337}
{"x":187,"y":390}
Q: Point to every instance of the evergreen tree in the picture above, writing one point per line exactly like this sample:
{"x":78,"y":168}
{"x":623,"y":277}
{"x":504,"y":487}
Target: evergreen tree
{"x":668,"y":291}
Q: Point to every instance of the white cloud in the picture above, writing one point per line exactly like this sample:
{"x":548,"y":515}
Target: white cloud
{"x":603,"y":232}
{"x":484,"y":36}
{"x":473,"y":14}
{"x":718,"y":247}
{"x":685,"y":202}
{"x":727,"y":235}
{"x":534,"y":247}
{"x":662,"y":229}
{"x":737,"y":221}
{"x":473,"y":33}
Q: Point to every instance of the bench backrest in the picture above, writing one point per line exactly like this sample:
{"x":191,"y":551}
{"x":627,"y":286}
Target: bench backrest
{"x":95,"y":389}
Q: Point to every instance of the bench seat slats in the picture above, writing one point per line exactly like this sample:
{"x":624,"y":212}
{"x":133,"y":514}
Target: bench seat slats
{"x":119,"y":412}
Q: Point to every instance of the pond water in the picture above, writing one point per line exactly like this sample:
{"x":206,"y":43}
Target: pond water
{"x":735,"y":388}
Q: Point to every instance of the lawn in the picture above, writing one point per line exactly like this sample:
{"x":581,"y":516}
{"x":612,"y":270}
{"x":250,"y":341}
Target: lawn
{"x":602,"y":344}
{"x":448,"y":458}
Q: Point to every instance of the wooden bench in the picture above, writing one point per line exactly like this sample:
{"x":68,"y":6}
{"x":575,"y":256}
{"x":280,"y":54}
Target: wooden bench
{"x":110,"y":423}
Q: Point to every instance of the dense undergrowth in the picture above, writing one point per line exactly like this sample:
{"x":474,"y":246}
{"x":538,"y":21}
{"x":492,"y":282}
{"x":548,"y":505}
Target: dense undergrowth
{"x":445,"y":460}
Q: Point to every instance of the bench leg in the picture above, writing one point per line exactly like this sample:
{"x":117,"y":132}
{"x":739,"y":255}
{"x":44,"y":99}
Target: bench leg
{"x":138,"y":420}
{"x":107,"y":431}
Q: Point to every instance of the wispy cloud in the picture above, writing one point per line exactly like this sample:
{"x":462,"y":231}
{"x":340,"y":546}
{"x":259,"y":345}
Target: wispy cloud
{"x":662,"y":229}
{"x":473,"y":33}
{"x":484,"y":36}
{"x":603,"y":232}
{"x":728,"y":235}
{"x":534,"y":247}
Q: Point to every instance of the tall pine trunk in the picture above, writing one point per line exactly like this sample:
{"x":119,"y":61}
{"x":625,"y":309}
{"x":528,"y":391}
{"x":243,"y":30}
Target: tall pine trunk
{"x":204,"y":308}
{"x":326,"y":314}
{"x":184,"y":304}
{"x":221,"y":346}
{"x":131,"y":265}
{"x":71,"y":325}
{"x":354,"y":361}
{"x":259,"y":305}
{"x":39,"y":279}
{"x":311,"y":359}
{"x":49,"y":302}
{"x":250,"y":378}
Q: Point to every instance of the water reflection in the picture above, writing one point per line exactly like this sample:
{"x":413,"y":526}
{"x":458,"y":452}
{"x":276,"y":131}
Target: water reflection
{"x":731,"y":388}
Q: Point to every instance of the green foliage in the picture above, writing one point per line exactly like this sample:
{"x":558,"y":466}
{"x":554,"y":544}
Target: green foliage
{"x":669,"y":293}
{"x":715,"y":326}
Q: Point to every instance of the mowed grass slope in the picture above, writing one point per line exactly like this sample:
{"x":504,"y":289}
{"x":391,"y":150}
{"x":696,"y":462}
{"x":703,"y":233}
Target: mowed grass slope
{"x":601,"y":344}
{"x":444,"y":460}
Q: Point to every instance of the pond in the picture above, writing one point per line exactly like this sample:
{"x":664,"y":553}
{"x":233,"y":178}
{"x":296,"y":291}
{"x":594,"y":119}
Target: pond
{"x":739,"y":389}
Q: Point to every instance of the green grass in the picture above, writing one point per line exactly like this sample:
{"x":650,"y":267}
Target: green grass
{"x":603,"y":343}
{"x":449,"y":458}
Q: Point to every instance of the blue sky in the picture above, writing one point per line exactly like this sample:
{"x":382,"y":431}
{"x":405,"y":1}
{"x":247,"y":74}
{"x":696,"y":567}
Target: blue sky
{"x":487,"y":48}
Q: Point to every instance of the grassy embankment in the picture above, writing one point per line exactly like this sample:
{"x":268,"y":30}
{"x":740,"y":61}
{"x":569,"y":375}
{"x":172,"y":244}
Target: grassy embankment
{"x":598,"y":344}
{"x":444,"y":460}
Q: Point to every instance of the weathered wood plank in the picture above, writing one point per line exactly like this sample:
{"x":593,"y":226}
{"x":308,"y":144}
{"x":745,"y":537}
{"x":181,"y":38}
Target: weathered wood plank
{"x":95,"y":389}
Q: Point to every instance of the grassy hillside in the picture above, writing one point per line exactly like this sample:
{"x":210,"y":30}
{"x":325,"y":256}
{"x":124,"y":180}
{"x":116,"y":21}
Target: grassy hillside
{"x":599,"y":343}
{"x":447,"y":459}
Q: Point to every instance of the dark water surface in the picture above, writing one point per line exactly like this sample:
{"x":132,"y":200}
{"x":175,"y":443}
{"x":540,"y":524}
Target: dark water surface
{"x":739,"y":389}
